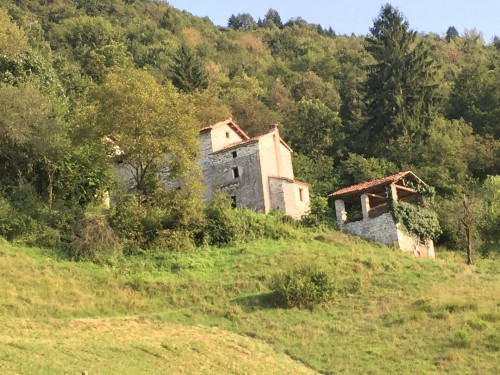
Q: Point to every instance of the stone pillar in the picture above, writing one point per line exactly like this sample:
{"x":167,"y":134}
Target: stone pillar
{"x":394,"y":192}
{"x":340,"y":212}
{"x":365,"y":205}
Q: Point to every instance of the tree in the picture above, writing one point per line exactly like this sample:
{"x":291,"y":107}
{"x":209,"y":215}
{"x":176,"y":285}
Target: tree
{"x":451,"y":34}
{"x":314,"y":129}
{"x":468,"y":223}
{"x":12,"y":39}
{"x":272,"y":18}
{"x":189,"y":74}
{"x":153,"y":125}
{"x":490,"y":218}
{"x":242,"y":21}
{"x":401,"y":83}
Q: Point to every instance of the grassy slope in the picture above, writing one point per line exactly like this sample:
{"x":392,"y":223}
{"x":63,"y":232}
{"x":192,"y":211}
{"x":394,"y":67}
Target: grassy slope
{"x":186,"y":311}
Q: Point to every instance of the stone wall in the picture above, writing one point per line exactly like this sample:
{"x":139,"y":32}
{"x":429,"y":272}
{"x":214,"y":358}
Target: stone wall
{"x":412,"y":245}
{"x":247,"y":187}
{"x":285,"y":196}
{"x":381,"y":229}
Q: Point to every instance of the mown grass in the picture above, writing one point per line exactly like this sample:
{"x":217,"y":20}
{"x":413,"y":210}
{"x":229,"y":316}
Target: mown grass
{"x":392,"y":313}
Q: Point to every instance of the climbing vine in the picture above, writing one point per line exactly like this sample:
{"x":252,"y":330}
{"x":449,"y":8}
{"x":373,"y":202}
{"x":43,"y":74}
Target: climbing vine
{"x":420,"y":220}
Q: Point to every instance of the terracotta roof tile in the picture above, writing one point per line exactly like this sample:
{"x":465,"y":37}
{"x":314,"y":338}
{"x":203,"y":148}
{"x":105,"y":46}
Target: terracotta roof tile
{"x":364,"y":186}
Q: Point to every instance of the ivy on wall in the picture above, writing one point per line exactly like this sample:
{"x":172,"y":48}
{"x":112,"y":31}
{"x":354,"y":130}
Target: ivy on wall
{"x":416,"y":219}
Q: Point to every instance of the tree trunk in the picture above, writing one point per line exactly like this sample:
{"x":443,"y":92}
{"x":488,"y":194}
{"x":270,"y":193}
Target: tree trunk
{"x":469,"y":246}
{"x":50,"y":191}
{"x":468,"y":222}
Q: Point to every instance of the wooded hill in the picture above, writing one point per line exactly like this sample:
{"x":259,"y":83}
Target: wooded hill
{"x":353,"y":108}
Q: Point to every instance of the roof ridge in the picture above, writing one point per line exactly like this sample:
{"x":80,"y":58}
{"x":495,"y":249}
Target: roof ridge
{"x":373,"y":183}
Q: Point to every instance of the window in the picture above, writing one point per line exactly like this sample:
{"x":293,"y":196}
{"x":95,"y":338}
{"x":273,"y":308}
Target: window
{"x":227,"y":134}
{"x":236,"y":172}
{"x":233,"y":203}
{"x":301,"y":194}
{"x":234,"y":154}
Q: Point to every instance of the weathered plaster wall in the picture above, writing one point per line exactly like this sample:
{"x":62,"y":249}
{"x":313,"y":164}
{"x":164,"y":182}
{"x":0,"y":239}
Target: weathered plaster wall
{"x":302,"y":206}
{"x":412,"y":244}
{"x":277,"y":194}
{"x":381,"y":228}
{"x":286,"y":167}
{"x":218,"y":174}
{"x":285,"y":196}
{"x":219,"y":139}
{"x":268,"y":167}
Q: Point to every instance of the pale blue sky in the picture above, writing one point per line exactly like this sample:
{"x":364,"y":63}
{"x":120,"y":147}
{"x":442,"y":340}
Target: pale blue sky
{"x":356,"y":16}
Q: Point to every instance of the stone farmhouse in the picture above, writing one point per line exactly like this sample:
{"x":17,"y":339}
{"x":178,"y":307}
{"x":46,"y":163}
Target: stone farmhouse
{"x":375,"y":221}
{"x":255,"y":172}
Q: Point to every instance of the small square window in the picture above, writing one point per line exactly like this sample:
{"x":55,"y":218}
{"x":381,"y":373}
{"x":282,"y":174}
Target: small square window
{"x":236,"y":172}
{"x":234,"y":154}
{"x":227,"y":134}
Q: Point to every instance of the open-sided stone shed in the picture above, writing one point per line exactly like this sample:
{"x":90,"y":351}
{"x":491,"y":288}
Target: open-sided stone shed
{"x":374,"y":221}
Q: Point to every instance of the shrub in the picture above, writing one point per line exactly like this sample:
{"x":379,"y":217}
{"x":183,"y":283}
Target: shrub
{"x":302,"y":287}
{"x":220,"y":226}
{"x":177,"y":240}
{"x":94,"y":239}
{"x":225,"y":225}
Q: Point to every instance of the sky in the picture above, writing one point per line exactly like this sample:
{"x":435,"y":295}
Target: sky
{"x":356,"y":16}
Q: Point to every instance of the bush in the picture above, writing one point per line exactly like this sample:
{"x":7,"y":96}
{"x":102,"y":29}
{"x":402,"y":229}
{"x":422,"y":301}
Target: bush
{"x":95,"y":240}
{"x":177,"y":240}
{"x":220,"y":227}
{"x":302,"y":287}
{"x":225,"y":225}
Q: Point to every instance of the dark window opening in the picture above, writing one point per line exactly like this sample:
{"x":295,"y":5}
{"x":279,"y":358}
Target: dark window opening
{"x":353,"y":209}
{"x":233,"y":203}
{"x":227,"y":134}
{"x":301,"y":194}
{"x":236,"y":172}
{"x":234,"y":154}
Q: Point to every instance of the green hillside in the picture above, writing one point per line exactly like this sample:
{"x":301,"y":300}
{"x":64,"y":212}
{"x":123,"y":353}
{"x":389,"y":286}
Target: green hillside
{"x":212,"y":312}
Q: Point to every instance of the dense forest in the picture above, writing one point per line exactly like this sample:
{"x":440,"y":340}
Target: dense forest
{"x":76,"y":75}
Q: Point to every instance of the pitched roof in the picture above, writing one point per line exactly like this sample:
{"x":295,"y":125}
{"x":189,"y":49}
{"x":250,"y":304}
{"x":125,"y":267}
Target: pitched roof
{"x":246,"y":139}
{"x":365,"y":186}
{"x":231,"y":124}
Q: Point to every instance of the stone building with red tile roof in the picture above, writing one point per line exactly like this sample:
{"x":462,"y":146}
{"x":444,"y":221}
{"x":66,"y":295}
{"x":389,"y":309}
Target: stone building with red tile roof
{"x":373,"y":220}
{"x":255,"y":172}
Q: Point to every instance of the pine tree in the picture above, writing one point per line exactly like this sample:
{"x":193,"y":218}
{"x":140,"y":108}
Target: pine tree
{"x":189,"y":74}
{"x":400,"y":85}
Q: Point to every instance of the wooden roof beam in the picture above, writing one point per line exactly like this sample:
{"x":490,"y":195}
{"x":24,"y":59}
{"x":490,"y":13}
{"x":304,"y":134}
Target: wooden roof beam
{"x":371,"y":195}
{"x":405,"y":188}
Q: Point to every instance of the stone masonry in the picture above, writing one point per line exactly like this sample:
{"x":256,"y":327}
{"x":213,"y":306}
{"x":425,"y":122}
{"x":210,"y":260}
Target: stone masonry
{"x":256,"y":172}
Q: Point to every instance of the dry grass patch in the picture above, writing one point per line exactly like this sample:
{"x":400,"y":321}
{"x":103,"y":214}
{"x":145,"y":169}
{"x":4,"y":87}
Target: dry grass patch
{"x":134,"y":346}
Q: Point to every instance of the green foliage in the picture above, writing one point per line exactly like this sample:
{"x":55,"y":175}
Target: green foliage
{"x":302,"y":287}
{"x":460,"y":339}
{"x":241,"y":21}
{"x":420,"y":220}
{"x":314,"y":129}
{"x":489,"y":222}
{"x":356,"y":169}
{"x":401,"y":83}
{"x":225,"y":225}
{"x":12,"y":39}
{"x":188,"y":73}
{"x":94,"y":240}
